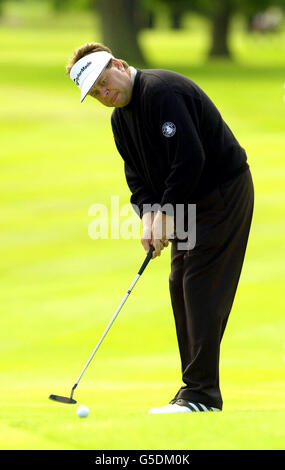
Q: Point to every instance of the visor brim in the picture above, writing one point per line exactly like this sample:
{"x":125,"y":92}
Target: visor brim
{"x":89,"y":81}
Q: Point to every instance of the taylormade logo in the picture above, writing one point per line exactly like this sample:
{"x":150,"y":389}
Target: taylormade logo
{"x":76,"y":79}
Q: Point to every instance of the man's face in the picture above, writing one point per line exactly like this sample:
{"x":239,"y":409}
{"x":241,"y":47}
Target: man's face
{"x":114,"y":86}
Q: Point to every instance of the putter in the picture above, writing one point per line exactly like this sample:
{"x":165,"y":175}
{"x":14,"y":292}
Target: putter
{"x":141,"y":270}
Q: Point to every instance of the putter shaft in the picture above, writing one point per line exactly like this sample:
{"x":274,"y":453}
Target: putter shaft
{"x":143,"y":266}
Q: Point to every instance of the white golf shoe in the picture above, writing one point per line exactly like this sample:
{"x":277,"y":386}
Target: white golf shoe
{"x":170,"y":408}
{"x":182,"y":406}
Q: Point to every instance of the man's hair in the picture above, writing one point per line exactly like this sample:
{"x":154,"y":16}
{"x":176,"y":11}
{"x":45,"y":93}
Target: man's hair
{"x":89,"y":48}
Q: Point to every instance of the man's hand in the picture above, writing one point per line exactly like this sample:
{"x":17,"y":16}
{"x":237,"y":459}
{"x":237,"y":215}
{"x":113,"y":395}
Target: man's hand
{"x":162,"y":230}
{"x":146,"y":236}
{"x":158,"y":234}
{"x":157,"y":229}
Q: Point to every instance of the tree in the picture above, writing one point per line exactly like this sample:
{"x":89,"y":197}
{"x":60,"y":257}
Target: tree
{"x":120,"y":28}
{"x":220,"y":14}
{"x":220,"y":25}
{"x":177,"y":10}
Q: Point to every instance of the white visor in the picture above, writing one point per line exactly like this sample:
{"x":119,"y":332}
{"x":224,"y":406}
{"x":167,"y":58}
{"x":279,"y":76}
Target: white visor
{"x":86,"y":70}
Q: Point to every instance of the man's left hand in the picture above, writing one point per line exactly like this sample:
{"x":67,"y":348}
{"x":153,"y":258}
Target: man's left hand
{"x":162,"y":231}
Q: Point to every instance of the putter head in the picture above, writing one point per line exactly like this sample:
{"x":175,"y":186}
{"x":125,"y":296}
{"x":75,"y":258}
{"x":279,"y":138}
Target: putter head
{"x":62,"y":399}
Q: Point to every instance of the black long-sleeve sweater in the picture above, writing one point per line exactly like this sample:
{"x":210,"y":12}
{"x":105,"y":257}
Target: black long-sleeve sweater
{"x":174,"y":142}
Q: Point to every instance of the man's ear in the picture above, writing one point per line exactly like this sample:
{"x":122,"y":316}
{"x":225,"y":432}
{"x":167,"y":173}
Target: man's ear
{"x":117,"y":63}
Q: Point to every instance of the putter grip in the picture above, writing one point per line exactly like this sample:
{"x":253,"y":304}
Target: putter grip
{"x":146,"y":261}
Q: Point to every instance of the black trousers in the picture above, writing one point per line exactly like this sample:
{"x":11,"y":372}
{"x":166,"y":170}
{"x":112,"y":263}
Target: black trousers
{"x":203,"y":283}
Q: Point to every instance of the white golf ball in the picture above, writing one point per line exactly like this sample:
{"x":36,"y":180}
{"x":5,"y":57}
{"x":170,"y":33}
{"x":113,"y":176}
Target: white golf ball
{"x":82,"y":411}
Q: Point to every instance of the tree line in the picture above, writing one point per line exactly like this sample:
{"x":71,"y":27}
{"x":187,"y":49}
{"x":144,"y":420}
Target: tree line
{"x":122,"y":20}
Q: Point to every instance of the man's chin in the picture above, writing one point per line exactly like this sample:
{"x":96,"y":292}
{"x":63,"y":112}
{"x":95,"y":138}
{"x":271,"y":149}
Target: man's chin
{"x":121,"y":101}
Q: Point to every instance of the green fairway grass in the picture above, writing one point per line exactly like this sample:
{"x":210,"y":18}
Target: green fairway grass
{"x":60,"y":288}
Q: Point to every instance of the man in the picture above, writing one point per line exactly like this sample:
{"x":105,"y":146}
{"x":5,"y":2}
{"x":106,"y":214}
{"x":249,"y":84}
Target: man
{"x":177,"y":150}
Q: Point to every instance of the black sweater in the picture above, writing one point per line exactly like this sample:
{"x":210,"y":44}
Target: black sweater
{"x":174,"y":142}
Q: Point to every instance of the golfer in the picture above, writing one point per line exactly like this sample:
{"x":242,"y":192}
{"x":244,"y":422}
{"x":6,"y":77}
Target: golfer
{"x":177,"y":150}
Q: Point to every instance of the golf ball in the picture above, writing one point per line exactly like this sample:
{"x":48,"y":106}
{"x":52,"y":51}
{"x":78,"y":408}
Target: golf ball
{"x":82,"y":411}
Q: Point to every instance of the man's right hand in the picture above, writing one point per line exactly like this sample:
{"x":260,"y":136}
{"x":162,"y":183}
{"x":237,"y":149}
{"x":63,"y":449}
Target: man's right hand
{"x":146,"y":235}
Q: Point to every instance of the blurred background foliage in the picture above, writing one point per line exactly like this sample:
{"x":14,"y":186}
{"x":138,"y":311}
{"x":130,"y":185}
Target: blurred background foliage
{"x":121,"y":21}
